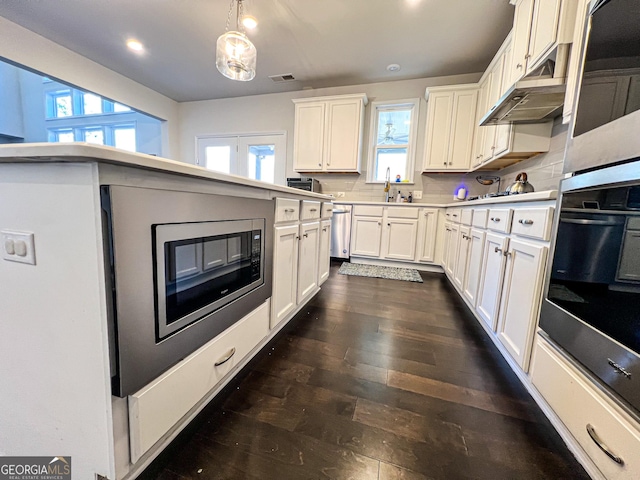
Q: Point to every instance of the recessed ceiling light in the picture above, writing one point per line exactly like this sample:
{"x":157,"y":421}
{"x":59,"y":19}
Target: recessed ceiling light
{"x":135,"y":45}
{"x":249,"y":22}
{"x":394,"y":67}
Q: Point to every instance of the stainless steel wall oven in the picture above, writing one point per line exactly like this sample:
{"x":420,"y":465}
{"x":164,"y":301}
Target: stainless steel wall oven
{"x":183,"y":268}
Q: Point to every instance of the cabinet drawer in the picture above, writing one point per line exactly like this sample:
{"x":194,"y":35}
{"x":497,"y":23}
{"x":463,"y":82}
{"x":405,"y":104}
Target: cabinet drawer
{"x":327,"y":210}
{"x":480,"y":216}
{"x":367,"y":210}
{"x":287,"y":210}
{"x":453,"y":214}
{"x":156,"y":408}
{"x":465,"y":216}
{"x":310,"y":210}
{"x":564,"y":388}
{"x":402,"y":212}
{"x":532,"y":222}
{"x":500,"y":219}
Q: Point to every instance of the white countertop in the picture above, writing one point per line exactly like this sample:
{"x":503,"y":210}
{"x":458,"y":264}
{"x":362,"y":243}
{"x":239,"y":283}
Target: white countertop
{"x":85,"y":152}
{"x":523,"y":197}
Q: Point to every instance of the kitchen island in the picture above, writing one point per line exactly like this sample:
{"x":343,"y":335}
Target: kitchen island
{"x":57,"y":346}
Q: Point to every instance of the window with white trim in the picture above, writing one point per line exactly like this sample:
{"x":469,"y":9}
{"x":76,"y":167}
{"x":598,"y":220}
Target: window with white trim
{"x":392,"y":140}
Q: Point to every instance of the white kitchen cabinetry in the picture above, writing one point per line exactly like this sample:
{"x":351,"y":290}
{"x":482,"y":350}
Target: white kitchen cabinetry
{"x":400,"y":233}
{"x":539,"y":27}
{"x":427,"y":226}
{"x":285,"y":272}
{"x":491,"y":278}
{"x":452,"y":250}
{"x":460,"y":272}
{"x":476,"y":251}
{"x":308,"y":259}
{"x":519,"y":309}
{"x":573,"y":68}
{"x":328,"y":133}
{"x":582,"y":407}
{"x":324,"y":259}
{"x":367,"y":230}
{"x":451,"y":115}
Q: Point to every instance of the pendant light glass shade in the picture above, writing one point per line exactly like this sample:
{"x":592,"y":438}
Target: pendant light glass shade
{"x":236,"y":56}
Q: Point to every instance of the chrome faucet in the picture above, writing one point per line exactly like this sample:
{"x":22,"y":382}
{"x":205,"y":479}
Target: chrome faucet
{"x":387,"y":184}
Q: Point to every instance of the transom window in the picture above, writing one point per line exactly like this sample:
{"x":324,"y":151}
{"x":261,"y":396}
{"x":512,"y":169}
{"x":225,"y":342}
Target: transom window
{"x":393,"y":134}
{"x":119,"y":136}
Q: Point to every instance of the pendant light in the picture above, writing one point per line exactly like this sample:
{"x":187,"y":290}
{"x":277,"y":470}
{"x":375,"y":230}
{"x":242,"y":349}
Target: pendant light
{"x":235,"y":54}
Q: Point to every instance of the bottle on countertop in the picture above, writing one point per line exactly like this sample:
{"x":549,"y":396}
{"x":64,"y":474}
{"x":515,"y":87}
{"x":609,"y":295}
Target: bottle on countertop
{"x":410,"y":198}
{"x":399,"y":197}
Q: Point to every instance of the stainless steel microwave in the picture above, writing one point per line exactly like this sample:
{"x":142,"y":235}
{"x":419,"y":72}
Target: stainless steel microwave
{"x":606,"y":121}
{"x":183,"y":267}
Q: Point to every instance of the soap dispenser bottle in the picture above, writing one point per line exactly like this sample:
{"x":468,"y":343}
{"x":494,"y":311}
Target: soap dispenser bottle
{"x":399,"y":197}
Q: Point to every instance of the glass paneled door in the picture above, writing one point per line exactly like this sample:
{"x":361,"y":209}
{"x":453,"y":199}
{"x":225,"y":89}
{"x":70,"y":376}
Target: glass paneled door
{"x":259,"y":157}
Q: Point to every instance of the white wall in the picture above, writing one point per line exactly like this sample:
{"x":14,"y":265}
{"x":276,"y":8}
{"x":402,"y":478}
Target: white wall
{"x":11,"y":123}
{"x":55,"y":395}
{"x":19,"y":45}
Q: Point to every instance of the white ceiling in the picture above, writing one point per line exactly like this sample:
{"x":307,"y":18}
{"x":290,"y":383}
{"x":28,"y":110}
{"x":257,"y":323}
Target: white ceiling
{"x":321,"y":42}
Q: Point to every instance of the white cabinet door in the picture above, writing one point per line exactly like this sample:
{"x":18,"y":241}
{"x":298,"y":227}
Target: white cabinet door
{"x":460,"y":271}
{"x":544,"y":30}
{"x":440,"y":110}
{"x":367,"y":233}
{"x":491,"y":278}
{"x":472,"y":280}
{"x":344,"y":135}
{"x":479,"y":136}
{"x":452,"y":251}
{"x":494,"y":83}
{"x":446,"y":245}
{"x":462,"y":129}
{"x":285,"y":272}
{"x":323,"y":256}
{"x":522,"y":19}
{"x":400,"y":239}
{"x":520,"y":303}
{"x":428,"y":223}
{"x":308,"y":259}
{"x":309,"y":135}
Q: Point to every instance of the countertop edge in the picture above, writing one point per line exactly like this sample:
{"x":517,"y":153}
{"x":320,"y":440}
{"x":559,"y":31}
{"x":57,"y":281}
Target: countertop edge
{"x":84,"y":152}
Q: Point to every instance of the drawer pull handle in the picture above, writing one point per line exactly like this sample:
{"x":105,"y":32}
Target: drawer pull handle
{"x":602,"y":446}
{"x":289,"y":210}
{"x":305,"y":235}
{"x":498,"y":250}
{"x":525,"y":222}
{"x":495,"y":219}
{"x":324,"y":229}
{"x":226,"y":357}
{"x":455,"y":215}
{"x":313,"y":209}
{"x":329,"y":209}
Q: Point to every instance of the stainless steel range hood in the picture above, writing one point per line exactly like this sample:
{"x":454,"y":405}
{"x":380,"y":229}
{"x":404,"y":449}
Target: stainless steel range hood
{"x":534,"y":100}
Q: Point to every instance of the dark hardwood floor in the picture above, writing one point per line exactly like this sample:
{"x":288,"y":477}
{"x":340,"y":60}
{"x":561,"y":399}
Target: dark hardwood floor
{"x":374,"y":379}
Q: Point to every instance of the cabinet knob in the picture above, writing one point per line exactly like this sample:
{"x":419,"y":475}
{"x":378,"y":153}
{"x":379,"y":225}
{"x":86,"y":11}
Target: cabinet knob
{"x":498,"y":250}
{"x":495,"y":219}
{"x":444,"y":163}
{"x":527,"y":56}
{"x":289,"y":210}
{"x":388,"y":224}
{"x":379,"y":223}
{"x":305,"y":235}
{"x":525,"y":222}
{"x":507,"y":254}
{"x":297,"y":237}
{"x":319,"y":164}
{"x":324,"y":229}
{"x":519,"y":66}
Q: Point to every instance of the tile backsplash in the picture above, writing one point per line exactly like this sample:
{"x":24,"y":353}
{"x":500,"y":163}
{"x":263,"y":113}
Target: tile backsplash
{"x":544,"y":172}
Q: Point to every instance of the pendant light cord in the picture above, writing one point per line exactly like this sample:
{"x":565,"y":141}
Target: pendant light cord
{"x":239,"y":15}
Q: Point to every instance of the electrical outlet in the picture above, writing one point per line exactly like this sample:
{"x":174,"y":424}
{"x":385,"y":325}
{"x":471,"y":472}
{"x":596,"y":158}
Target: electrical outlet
{"x":417,"y":194}
{"x":339,"y":194}
{"x":18,"y":247}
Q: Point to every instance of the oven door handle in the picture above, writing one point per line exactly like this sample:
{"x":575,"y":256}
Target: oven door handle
{"x":226,"y":357}
{"x":587,"y":221}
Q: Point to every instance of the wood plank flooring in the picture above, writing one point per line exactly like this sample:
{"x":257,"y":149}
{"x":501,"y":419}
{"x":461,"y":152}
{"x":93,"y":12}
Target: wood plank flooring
{"x":374,"y":379}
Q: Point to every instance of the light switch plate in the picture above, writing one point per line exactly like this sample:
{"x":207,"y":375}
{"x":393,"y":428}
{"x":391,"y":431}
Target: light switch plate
{"x":18,"y":247}
{"x":417,"y":194}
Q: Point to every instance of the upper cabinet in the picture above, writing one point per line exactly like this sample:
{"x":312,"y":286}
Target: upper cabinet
{"x":573,"y":70}
{"x":539,"y":26}
{"x":328,"y":133}
{"x":451,"y":116}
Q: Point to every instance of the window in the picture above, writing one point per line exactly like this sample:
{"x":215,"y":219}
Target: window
{"x":59,"y":104}
{"x":91,"y":104}
{"x":393,"y":137}
{"x":259,"y":157}
{"x":119,"y":136}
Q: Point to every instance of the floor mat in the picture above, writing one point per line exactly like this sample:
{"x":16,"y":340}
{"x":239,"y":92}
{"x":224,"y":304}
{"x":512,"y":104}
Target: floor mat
{"x":391,"y":273}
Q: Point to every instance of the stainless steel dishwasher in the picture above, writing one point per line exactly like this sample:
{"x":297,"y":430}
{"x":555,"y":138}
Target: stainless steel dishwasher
{"x":341,"y":231}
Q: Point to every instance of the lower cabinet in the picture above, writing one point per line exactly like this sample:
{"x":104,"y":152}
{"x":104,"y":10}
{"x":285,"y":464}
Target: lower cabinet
{"x":324,"y":259}
{"x":519,"y":309}
{"x":285,"y":272}
{"x":474,"y":268}
{"x":491,"y":278}
{"x":400,"y":236}
{"x":460,"y":271}
{"x":156,"y":408}
{"x":596,"y":423}
{"x":427,"y":228}
{"x":367,"y":233}
{"x":452,"y":250}
{"x":308,"y":259}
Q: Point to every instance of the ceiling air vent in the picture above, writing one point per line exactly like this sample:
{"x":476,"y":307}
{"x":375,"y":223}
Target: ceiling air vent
{"x":285,"y":77}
